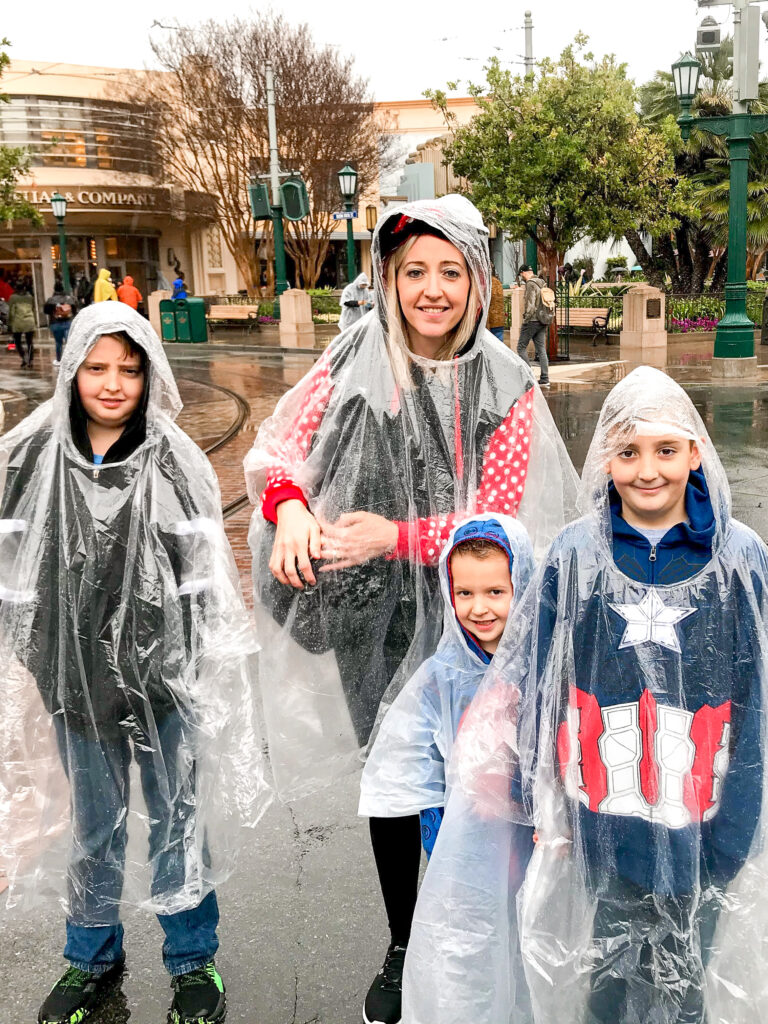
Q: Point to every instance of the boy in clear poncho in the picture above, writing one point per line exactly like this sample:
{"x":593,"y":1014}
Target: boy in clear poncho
{"x":484,"y":569}
{"x":123,"y":636}
{"x":639,"y":679}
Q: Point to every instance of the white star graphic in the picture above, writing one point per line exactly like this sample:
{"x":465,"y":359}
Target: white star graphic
{"x":651,"y":621}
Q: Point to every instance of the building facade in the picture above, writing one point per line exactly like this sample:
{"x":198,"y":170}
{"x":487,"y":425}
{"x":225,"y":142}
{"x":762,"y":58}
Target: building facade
{"x":94,"y":149}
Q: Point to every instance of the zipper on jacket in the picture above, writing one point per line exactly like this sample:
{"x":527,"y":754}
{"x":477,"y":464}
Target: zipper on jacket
{"x":652,"y":556}
{"x":96,"y":474}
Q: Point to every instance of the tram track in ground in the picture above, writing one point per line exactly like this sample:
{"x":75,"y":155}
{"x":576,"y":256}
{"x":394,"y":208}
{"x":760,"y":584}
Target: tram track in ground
{"x":243,"y":413}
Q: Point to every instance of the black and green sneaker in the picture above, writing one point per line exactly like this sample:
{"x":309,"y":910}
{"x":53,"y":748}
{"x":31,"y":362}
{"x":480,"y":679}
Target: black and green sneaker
{"x":76,"y":994}
{"x":198,"y":997}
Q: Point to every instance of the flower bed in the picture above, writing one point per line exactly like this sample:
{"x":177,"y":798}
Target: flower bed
{"x":699,"y":323}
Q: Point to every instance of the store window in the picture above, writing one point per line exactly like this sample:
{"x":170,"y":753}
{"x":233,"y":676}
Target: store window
{"x":19,"y":248}
{"x":63,"y":132}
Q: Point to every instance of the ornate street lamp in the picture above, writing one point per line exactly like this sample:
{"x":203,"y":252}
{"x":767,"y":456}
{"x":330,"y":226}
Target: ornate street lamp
{"x":59,"y":207}
{"x":348,"y":187}
{"x":348,"y":183}
{"x":686,"y":73}
{"x":735,"y":338}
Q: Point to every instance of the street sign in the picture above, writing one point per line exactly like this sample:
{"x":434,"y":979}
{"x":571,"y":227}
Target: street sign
{"x":345,"y":215}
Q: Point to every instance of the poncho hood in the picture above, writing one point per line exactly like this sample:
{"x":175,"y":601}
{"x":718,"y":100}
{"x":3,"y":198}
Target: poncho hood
{"x":513,"y":540}
{"x":88,"y":327}
{"x":452,"y":217}
{"x":647,"y":402}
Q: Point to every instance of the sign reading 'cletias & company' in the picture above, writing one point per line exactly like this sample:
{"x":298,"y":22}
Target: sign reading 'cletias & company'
{"x":157,"y":199}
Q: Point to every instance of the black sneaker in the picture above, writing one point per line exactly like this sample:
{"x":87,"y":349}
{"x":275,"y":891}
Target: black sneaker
{"x":76,"y":994}
{"x":385,"y":996}
{"x":198,"y":997}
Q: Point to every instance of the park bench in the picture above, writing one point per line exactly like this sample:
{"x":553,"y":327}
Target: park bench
{"x":240,"y":315}
{"x":595,"y":320}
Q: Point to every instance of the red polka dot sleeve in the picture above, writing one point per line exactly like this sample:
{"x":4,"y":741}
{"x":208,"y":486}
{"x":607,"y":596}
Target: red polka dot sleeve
{"x":502,"y":482}
{"x":280,"y":485}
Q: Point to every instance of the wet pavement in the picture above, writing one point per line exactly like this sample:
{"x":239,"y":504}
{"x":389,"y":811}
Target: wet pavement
{"x":302,"y":929}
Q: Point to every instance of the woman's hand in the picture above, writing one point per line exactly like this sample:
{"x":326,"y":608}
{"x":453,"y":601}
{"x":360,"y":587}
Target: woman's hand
{"x":356,"y":537}
{"x":296,"y":541}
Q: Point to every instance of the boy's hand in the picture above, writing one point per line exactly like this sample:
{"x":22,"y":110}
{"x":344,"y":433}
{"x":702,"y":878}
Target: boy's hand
{"x":356,"y":537}
{"x":297,"y":539}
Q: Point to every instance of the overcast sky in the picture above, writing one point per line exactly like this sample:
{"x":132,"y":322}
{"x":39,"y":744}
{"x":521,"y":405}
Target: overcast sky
{"x":402,"y":48}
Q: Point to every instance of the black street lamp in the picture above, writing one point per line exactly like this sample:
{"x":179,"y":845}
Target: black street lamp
{"x":59,"y":207}
{"x":348,"y":187}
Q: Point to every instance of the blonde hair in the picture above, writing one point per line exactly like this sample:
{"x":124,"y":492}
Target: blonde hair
{"x":397,"y":326}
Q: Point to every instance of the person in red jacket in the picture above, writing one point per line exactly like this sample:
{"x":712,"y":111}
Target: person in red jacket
{"x":129,"y":293}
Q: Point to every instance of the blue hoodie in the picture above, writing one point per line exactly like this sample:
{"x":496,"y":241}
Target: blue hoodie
{"x":405,"y":772}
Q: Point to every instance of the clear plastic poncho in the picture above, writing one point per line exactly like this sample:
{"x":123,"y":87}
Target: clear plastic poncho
{"x":123,"y":637}
{"x":358,"y":291}
{"x":423,"y":442}
{"x":406,"y":770}
{"x":625,"y":718}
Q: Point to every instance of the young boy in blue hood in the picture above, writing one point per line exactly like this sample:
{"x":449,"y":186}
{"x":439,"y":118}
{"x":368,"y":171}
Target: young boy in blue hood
{"x":484,"y":569}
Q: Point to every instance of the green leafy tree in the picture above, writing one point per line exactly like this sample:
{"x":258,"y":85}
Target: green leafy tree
{"x":564,"y":155}
{"x":14,"y":164}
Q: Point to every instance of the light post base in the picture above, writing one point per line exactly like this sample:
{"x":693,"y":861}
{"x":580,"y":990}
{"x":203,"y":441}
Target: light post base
{"x":738,"y":368}
{"x":735,"y":337}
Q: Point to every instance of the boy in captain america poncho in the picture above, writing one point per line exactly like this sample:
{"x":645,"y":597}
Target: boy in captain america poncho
{"x":123,"y":638}
{"x":484,"y":569}
{"x":639,"y":674}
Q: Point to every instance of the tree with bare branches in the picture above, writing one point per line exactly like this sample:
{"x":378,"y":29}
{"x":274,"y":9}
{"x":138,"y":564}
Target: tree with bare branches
{"x":209,"y":111}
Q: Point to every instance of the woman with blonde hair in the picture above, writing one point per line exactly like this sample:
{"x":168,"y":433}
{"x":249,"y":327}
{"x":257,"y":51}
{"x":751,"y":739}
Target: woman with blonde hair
{"x":412,"y":419}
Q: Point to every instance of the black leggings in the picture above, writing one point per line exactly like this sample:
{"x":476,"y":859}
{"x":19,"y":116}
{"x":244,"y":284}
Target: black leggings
{"x":397,"y":848}
{"x":25,"y":348}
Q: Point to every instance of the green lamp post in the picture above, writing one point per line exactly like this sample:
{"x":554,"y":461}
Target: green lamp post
{"x":735,"y":338}
{"x":348,"y":188}
{"x":59,"y":207}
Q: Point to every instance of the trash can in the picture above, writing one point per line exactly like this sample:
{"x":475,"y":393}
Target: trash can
{"x":198,"y":325}
{"x":168,"y":320}
{"x":183,"y":320}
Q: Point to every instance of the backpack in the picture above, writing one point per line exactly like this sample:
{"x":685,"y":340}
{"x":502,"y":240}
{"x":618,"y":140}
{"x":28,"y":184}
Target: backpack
{"x":545,"y":306}
{"x":63,"y":311}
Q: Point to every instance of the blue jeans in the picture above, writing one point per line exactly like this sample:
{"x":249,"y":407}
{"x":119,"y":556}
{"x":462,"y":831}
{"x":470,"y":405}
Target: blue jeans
{"x":99,"y":782}
{"x":60,"y":329}
{"x":497,"y":332}
{"x":533,"y":331}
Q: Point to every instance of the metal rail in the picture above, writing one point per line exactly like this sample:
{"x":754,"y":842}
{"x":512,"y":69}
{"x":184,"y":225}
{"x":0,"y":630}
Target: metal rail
{"x":244,"y":411}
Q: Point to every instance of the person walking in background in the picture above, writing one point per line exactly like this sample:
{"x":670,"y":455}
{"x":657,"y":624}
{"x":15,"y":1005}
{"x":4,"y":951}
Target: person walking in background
{"x":22,"y":322}
{"x":60,"y":309}
{"x":497,"y":319}
{"x":356,"y":300}
{"x":179,"y":288}
{"x":129,"y":293}
{"x":537,"y":316}
{"x":5,"y":289}
{"x":104,"y":289}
